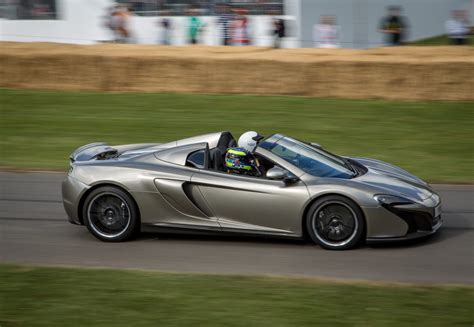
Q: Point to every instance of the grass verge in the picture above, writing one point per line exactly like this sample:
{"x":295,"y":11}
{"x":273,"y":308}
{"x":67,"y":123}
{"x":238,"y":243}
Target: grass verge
{"x":106,"y":297}
{"x":433,"y":140}
{"x":440,"y":40}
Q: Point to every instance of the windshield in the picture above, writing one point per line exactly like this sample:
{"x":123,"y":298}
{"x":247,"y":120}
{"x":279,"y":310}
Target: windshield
{"x":311,"y":160}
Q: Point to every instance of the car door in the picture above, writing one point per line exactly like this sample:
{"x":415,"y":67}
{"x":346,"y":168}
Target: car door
{"x":253,"y":204}
{"x":180,"y":204}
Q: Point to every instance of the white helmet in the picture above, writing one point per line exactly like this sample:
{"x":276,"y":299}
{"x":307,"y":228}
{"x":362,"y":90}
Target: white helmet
{"x":247,"y":141}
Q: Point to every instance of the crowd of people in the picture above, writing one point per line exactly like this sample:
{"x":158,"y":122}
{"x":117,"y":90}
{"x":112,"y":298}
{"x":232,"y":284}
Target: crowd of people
{"x":395,"y":28}
{"x":231,"y":22}
{"x":234,"y":27}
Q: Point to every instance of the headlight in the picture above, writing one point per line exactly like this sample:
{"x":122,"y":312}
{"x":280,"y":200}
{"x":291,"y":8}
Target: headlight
{"x":391,"y":199}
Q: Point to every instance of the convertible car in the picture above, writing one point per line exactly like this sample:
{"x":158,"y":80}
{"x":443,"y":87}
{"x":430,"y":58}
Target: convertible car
{"x":304,"y":191}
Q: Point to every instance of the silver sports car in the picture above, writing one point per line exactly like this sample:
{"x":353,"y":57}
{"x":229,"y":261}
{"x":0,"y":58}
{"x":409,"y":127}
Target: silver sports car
{"x":303,"y":191}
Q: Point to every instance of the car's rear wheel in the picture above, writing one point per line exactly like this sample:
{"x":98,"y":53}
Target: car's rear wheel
{"x":110,"y":214}
{"x":335,"y":222}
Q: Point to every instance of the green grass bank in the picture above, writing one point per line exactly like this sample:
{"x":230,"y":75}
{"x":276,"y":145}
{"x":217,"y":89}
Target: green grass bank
{"x":439,"y":40}
{"x":106,"y":297}
{"x":434,"y":140}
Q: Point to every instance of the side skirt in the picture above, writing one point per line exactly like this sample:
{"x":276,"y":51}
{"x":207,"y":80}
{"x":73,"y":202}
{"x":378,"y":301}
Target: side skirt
{"x":200,"y":230}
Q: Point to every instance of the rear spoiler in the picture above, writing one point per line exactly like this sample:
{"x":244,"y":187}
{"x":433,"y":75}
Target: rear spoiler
{"x":93,"y":151}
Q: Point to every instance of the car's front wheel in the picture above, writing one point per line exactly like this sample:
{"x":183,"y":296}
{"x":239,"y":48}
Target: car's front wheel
{"x":335,"y":222}
{"x":110,"y":214}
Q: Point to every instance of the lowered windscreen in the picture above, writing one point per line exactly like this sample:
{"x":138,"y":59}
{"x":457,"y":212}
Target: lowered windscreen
{"x":307,"y":158}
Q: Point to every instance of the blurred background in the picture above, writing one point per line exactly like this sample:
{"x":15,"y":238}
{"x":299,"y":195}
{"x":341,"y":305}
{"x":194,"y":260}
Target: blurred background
{"x":386,"y":79}
{"x":365,"y":50}
{"x":281,"y":23}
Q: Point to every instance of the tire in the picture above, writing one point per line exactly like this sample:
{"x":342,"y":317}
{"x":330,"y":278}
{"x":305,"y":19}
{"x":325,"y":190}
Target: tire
{"x":335,"y":223}
{"x":111,"y":215}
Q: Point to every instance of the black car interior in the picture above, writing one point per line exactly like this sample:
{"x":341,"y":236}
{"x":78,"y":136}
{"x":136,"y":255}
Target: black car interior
{"x":214,"y":159}
{"x":217,"y":154}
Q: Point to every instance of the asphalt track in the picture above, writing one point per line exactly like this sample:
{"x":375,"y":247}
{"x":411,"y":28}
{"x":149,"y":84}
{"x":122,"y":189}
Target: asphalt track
{"x":34,"y":230}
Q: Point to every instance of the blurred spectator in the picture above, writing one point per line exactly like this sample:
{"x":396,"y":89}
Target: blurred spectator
{"x":240,"y":28}
{"x":165,"y":24}
{"x":224,"y":21}
{"x":457,"y":27}
{"x":278,"y":31}
{"x":394,"y":26}
{"x":326,"y":33}
{"x":118,"y":23}
{"x":195,"y":26}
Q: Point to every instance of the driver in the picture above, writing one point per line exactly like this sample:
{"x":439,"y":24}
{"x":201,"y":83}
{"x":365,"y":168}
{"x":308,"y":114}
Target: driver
{"x":249,"y":140}
{"x":242,"y":162}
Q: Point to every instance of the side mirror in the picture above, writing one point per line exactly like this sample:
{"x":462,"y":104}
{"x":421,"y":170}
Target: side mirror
{"x":279,"y":174}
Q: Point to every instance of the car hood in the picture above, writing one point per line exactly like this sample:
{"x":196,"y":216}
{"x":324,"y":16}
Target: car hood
{"x":390,"y":179}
